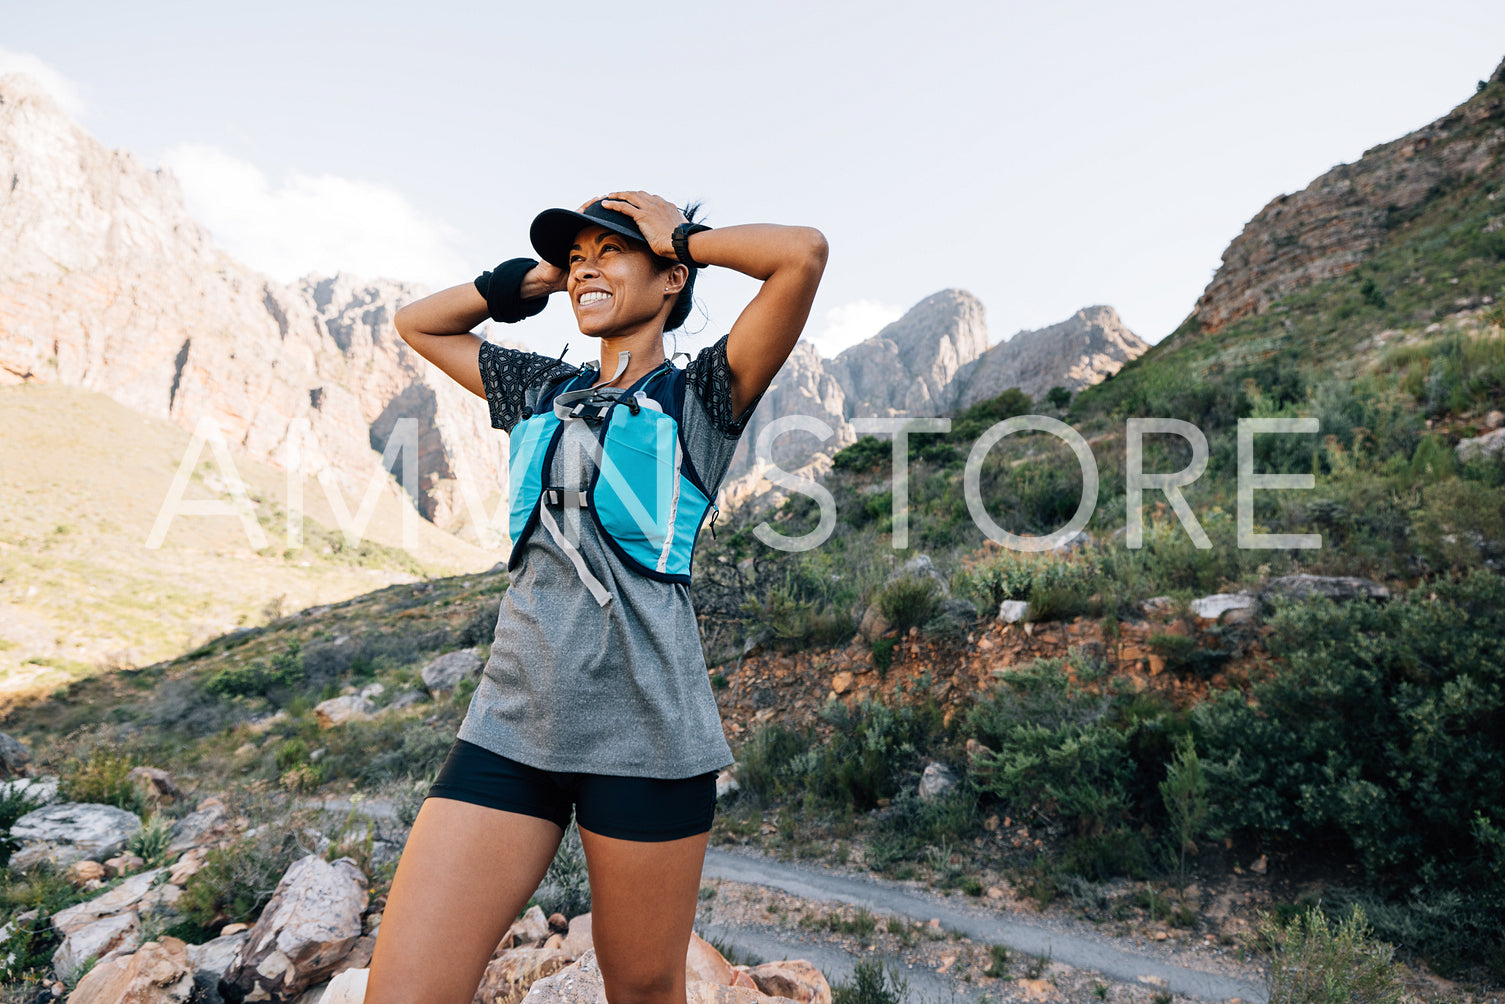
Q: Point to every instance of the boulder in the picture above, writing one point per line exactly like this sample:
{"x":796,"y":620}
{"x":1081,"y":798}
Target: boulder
{"x":577,"y":941}
{"x":13,"y":757}
{"x":704,"y":962}
{"x":348,"y":987}
{"x":210,"y":960}
{"x":874,"y":625}
{"x":305,"y":931}
{"x":123,"y":864}
{"x":200,"y":827}
{"x":100,"y":939}
{"x":512,"y":970}
{"x":1075,"y":541}
{"x":81,"y":872}
{"x":580,"y":983}
{"x":1010,"y":611}
{"x":445,"y":673}
{"x":156,"y":782}
{"x":1158,"y":605}
{"x":40,"y":790}
{"x":529,"y":930}
{"x":69,"y":832}
{"x":407,"y":699}
{"x":1486,"y":445}
{"x":1334,"y":587}
{"x":795,"y":979}
{"x":937,"y":780}
{"x":126,"y":896}
{"x":1212,"y":608}
{"x":157,"y":973}
{"x":339,"y":710}
{"x":188,"y":866}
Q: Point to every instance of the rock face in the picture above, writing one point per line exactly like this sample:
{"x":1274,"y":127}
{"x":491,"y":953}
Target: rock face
{"x":446,"y":672}
{"x":107,"y":283}
{"x":69,"y":832}
{"x":156,"y":973}
{"x":935,"y":360}
{"x":1087,"y":347}
{"x":305,"y":931}
{"x":1333,"y":224}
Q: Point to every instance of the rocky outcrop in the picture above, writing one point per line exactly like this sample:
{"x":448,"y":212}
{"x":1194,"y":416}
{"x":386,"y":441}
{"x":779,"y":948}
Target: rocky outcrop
{"x":1086,"y":348}
{"x":156,"y":973}
{"x":107,"y":283}
{"x":69,"y":832}
{"x":303,"y":934}
{"x":1332,"y":225}
{"x":935,"y":360}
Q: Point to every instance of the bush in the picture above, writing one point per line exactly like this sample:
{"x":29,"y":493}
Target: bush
{"x":566,"y":885}
{"x":1381,"y":730}
{"x":1313,"y":962}
{"x":259,"y":678}
{"x":910,"y":601}
{"x":238,"y":879}
{"x":150,"y":842}
{"x":101,"y":777}
{"x":873,"y":981}
{"x":1053,"y":749}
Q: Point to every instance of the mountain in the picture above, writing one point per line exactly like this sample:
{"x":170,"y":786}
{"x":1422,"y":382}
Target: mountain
{"x":108,"y":284}
{"x":935,"y":360}
{"x":1341,"y":219}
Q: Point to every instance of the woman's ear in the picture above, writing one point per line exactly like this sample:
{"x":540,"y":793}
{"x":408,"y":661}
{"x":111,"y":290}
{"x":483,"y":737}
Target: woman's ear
{"x":675,"y":279}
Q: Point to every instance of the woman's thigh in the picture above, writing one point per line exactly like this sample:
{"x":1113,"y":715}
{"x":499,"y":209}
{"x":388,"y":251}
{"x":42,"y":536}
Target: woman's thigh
{"x":644,"y":885}
{"x":463,"y":878}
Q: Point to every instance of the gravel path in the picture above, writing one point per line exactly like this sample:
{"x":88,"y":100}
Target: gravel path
{"x":778,"y":909}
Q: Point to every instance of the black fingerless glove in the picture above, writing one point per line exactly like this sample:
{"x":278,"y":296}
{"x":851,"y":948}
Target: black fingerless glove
{"x":501,"y":286}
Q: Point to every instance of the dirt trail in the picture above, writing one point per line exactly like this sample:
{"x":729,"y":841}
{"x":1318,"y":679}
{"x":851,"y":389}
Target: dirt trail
{"x":1150,"y":969}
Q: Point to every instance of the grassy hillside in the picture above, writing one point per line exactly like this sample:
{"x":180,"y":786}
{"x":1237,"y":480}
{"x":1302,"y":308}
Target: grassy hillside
{"x":81,"y":481}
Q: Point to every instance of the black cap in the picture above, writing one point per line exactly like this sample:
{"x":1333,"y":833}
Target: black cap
{"x":553,"y":231}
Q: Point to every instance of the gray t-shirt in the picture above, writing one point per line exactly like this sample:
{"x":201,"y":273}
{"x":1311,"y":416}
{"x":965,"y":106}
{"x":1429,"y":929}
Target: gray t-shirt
{"x":574,"y":686}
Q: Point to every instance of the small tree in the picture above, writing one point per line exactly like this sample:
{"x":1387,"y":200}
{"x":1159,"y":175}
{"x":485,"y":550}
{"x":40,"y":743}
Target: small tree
{"x":1185,"y":793}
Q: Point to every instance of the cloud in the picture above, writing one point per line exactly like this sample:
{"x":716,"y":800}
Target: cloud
{"x":850,"y":323}
{"x":64,"y":91}
{"x":320,"y":223}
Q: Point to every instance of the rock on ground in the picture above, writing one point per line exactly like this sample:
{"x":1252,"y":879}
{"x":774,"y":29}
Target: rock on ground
{"x":157,"y":973}
{"x":69,"y":832}
{"x":446,"y":672}
{"x":304,"y":933}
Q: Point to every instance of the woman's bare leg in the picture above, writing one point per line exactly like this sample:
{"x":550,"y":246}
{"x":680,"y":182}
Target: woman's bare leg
{"x":643,"y":898}
{"x":463,"y":878}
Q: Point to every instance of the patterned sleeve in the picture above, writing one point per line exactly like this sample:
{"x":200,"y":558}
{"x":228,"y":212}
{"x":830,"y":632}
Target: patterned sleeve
{"x":711,"y":379}
{"x":508,"y":374}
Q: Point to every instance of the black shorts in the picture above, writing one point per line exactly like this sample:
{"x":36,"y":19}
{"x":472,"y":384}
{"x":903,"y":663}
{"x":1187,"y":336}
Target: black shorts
{"x":628,"y":808}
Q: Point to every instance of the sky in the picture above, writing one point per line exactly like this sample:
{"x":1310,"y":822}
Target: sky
{"x":1044,"y":157}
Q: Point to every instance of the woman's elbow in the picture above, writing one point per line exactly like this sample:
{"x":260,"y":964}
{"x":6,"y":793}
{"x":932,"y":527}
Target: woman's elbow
{"x":816,"y":248}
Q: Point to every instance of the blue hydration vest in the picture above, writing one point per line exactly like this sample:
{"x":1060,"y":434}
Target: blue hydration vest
{"x":644,"y":495}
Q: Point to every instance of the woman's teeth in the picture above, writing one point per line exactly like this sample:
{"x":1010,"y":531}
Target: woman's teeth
{"x":593,"y":297}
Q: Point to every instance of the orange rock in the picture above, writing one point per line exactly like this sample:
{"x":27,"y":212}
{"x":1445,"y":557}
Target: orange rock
{"x":703,"y":962}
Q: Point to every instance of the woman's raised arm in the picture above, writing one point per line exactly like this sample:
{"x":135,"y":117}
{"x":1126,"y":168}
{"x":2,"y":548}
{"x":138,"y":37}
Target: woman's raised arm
{"x":788,"y":260}
{"x":438,"y":327}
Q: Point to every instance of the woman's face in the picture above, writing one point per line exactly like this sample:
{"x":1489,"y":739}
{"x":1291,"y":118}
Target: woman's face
{"x":613,"y":283}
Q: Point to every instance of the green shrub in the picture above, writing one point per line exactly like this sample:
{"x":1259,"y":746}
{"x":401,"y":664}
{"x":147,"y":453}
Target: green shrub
{"x":873,"y":981}
{"x":565,"y":887}
{"x":864,"y":455}
{"x":102,"y":776}
{"x":239,"y":878}
{"x":1053,"y":749}
{"x":1312,"y":962}
{"x":910,"y":601}
{"x":259,"y":678}
{"x":150,"y":842}
{"x":883,"y":655}
{"x":1184,"y":791}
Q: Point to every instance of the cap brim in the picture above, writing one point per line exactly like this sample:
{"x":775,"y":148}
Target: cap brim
{"x":553,"y":231}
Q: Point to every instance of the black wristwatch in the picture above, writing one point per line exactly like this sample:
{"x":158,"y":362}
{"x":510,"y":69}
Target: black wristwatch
{"x":681,"y":240}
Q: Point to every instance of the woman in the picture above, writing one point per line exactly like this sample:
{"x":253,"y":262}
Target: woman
{"x":596,"y":696}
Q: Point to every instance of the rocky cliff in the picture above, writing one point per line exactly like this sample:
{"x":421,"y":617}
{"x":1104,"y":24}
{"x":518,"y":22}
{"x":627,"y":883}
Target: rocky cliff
{"x":935,"y":360}
{"x":1082,"y":350}
{"x":1332,"y":225}
{"x":106,"y":283}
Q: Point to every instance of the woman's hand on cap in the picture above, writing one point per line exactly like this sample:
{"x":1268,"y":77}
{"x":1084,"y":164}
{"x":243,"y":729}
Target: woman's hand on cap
{"x":655,"y":217}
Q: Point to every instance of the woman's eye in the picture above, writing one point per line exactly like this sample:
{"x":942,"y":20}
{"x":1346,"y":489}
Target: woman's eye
{"x":609,"y":247}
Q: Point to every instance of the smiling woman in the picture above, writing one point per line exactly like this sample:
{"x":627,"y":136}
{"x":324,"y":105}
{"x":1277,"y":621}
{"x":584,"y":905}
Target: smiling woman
{"x":596,"y":699}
